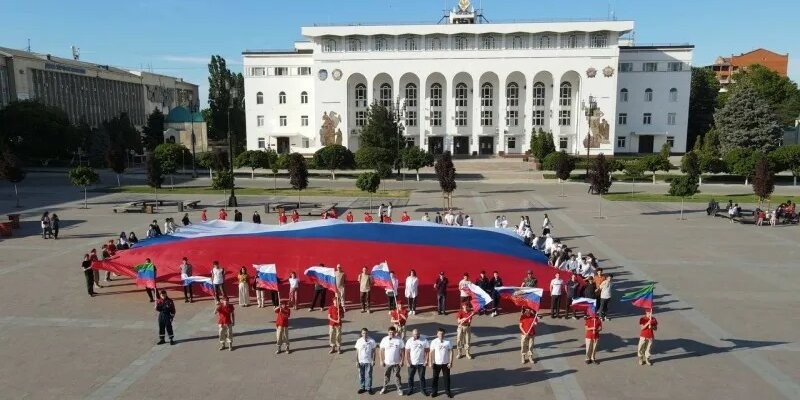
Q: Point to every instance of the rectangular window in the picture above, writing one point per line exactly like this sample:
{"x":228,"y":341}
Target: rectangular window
{"x":623,"y":96}
{"x":626,"y":67}
{"x":512,"y":118}
{"x":259,"y":120}
{"x":279,"y":71}
{"x":305,"y":143}
{"x":564,"y":118}
{"x":512,"y":142}
{"x":304,"y":120}
{"x":675,"y":67}
{"x":650,"y":67}
{"x":282,"y":120}
{"x":622,"y":119}
{"x":461,"y":118}
{"x":257,"y":71}
{"x":647,"y":119}
{"x":361,"y":118}
{"x":621,"y":142}
{"x":563,"y":143}
{"x":487,"y":118}
{"x":411,"y":118}
{"x":599,"y":40}
{"x":671,"y":141}
{"x":436,"y":118}
{"x":262,"y":144}
{"x":538,"y":118}
{"x":303,"y":71}
{"x":671,"y":118}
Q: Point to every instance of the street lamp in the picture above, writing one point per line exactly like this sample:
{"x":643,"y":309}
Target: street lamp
{"x":194,"y":139}
{"x":232,"y":94}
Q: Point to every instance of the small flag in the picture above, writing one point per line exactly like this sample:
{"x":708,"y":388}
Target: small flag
{"x":204,"y":281}
{"x":146,"y":275}
{"x":267,"y":276}
{"x":642,"y":298}
{"x":522,"y":296}
{"x":585,"y":302}
{"x":480,"y":299}
{"x":382,"y":276}
{"x":322,"y":276}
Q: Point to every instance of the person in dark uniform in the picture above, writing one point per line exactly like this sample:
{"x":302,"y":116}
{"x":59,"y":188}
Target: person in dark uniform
{"x":256,"y":218}
{"x":237,"y":215}
{"x":86,"y":265}
{"x":166,"y":312}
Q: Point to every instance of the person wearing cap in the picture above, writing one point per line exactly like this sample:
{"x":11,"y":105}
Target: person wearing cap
{"x":648,"y":325}
{"x":463,"y":331}
{"x":398,"y":317}
{"x":441,"y":292}
{"x":282,"y":314}
{"x":529,"y":281}
{"x":166,"y":312}
{"x":527,"y":328}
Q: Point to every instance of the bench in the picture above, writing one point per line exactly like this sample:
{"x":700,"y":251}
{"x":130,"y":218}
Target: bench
{"x":191,"y":204}
{"x":317,"y":211}
{"x":136,"y":206}
{"x":277,"y":207}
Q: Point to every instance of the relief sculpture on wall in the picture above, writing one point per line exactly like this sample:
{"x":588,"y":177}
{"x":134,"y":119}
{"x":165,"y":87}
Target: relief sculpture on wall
{"x":329,"y":133}
{"x":599,"y":129}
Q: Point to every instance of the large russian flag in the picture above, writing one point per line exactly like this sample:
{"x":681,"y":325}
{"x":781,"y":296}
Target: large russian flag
{"x":267,"y":276}
{"x":522,"y":296}
{"x":323,"y":276}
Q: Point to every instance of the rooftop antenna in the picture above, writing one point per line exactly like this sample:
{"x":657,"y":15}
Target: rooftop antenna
{"x":29,"y":45}
{"x":76,"y":53}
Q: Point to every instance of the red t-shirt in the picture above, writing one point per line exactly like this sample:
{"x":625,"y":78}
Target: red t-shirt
{"x":203,"y":216}
{"x":282,"y":219}
{"x":334,"y":314}
{"x":368,"y":218}
{"x":295,"y":217}
{"x":224,"y":314}
{"x":405,"y":218}
{"x":387,"y":219}
{"x":222,"y":215}
{"x":648,"y":333}
{"x":282,"y":316}
{"x":593,"y":322}
{"x":464,"y":314}
{"x":333,"y":214}
{"x":528,"y":325}
{"x":349,"y":218}
{"x":397,"y":317}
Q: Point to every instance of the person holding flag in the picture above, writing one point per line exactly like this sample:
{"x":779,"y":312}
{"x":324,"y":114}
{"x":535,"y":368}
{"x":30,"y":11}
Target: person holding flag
{"x":648,"y":325}
{"x":282,"y":219}
{"x":398,"y":317}
{"x":186,"y":271}
{"x":335,"y":327}
{"x":385,"y":278}
{"x":593,"y":327}
{"x":463,"y":331}
{"x":324,"y":279}
{"x":282,"y":315}
{"x":527,"y":327}
{"x":226,"y":319}
{"x":146,"y":276}
{"x":266,"y":280}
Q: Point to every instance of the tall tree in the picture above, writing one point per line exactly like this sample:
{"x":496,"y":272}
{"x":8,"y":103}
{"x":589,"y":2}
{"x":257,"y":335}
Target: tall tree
{"x":382,"y":132}
{"x":169,"y":156}
{"x":711,"y":146}
{"x":747,"y":121}
{"x":446,"y":174}
{"x":763,"y":183}
{"x":787,"y":158}
{"x":601,"y":175}
{"x":116,"y":159}
{"x":11,"y":170}
{"x":298,"y":173}
{"x":704,"y":89}
{"x":154,"y":175}
{"x":220,"y":100}
{"x":780,"y":92}
{"x":35,"y":131}
{"x":84,"y":177}
{"x":416,"y":158}
{"x":153,"y":132}
{"x":122,"y":133}
{"x":333,"y":157}
{"x":742,"y":161}
{"x":563,"y":164}
{"x":690,"y":164}
{"x":655,"y":163}
{"x":252,"y":159}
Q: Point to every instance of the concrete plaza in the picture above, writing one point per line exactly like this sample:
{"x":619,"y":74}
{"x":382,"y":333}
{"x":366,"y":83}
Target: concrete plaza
{"x":728,"y":316}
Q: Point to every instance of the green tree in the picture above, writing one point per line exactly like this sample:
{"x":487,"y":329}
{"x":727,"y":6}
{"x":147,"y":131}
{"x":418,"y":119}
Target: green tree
{"x":683,"y":186}
{"x":665,"y":151}
{"x":83,"y":176}
{"x":416,"y":158}
{"x":208,"y":160}
{"x":698,"y":144}
{"x":153,"y":132}
{"x":446,"y":174}
{"x":742,"y":161}
{"x":763,"y":183}
{"x":601,"y":175}
{"x":655,"y":163}
{"x":252,"y":159}
{"x":711,"y":144}
{"x":635,"y":170}
{"x":747,"y":121}
{"x":154,"y":175}
{"x":382,"y":131}
{"x":542,"y":144}
{"x":787,"y":158}
{"x":220,"y":101}
{"x":690,"y":164}
{"x":99,"y":144}
{"x":704,"y":88}
{"x":369,"y":182}
{"x":333,"y":157}
{"x":222,"y":180}
{"x":35,"y":131}
{"x":563,"y":165}
{"x":536,"y":144}
{"x":169,"y":156}
{"x":780,"y":92}
{"x":298,"y":173}
{"x":116,"y":159}
{"x":122,"y":133}
{"x":371,"y":157}
{"x":12,"y":171}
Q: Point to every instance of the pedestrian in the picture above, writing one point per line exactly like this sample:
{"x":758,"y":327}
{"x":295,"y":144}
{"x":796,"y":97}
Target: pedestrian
{"x":237,"y":215}
{"x":186,"y":272}
{"x":54,"y":225}
{"x":203,"y":216}
{"x":368,"y":217}
{"x":593,"y":327}
{"x":341,"y":279}
{"x":88,"y":273}
{"x":483,"y":283}
{"x":95,"y":272}
{"x":405,"y":217}
{"x":132,"y":239}
{"x":398,"y":318}
{"x":222,"y":215}
{"x":647,"y":325}
{"x":105,"y":255}
{"x":349,"y":216}
{"x":282,"y":314}
{"x":295,"y":216}
{"x":392,"y":359}
{"x":226,"y":319}
{"x":441,"y":293}
{"x":256,"y":217}
{"x":166,"y":312}
{"x":464,"y":330}
{"x":365,"y":359}
{"x":605,"y":296}
{"x":244,"y":287}
{"x":294,"y":286}
{"x":389,"y":210}
{"x":411,"y":291}
{"x":185,"y":220}
{"x":463,"y":286}
{"x":45,"y":222}
{"x":546,"y":225}
{"x":319,"y":293}
{"x":495,"y":283}
{"x":391,"y":293}
{"x":417,"y":349}
{"x":438,"y":218}
{"x":556,"y":287}
{"x":335,"y":327}
{"x":282,"y":219}
{"x":426,"y":218}
{"x":441,"y":360}
{"x":218,"y":281}
{"x":364,"y":287}
{"x":468,"y":221}
{"x":572,"y":289}
{"x":527,"y":328}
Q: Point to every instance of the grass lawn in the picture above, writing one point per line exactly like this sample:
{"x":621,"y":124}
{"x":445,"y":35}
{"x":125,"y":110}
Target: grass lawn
{"x":311,"y":191}
{"x":745,"y":198}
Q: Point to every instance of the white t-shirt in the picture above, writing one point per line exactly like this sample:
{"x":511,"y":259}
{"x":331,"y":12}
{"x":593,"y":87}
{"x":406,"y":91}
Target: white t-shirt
{"x":364,"y":348}
{"x":416,"y":350}
{"x":497,"y":223}
{"x":468,"y":221}
{"x":504,"y":223}
{"x":293,"y":283}
{"x":441,"y":351}
{"x":412,"y":284}
{"x":462,"y":286}
{"x":217,"y":277}
{"x":392,"y":348}
{"x":555,"y":286}
{"x":425,"y":218}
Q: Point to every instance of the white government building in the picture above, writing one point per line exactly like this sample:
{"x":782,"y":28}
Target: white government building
{"x":472,"y":87}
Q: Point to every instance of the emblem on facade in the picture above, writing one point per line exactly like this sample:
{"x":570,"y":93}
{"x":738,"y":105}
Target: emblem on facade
{"x":329,"y":133}
{"x":599,"y":129}
{"x":337,"y":74}
{"x":608,"y":72}
{"x":464,"y":5}
{"x":591,"y":72}
{"x":323,"y":74}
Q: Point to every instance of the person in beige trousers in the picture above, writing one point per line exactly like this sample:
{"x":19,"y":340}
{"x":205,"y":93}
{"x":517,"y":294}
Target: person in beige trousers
{"x":365,"y":286}
{"x":648,"y":325}
{"x":335,"y":327}
{"x":340,"y":280}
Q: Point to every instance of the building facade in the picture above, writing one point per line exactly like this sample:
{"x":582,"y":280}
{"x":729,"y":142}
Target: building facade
{"x":725,"y":67}
{"x":472,"y":88}
{"x":90,"y":92}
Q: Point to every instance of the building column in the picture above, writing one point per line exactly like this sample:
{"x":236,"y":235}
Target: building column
{"x":476,"y":114}
{"x":526,"y":108}
{"x":500,"y":135}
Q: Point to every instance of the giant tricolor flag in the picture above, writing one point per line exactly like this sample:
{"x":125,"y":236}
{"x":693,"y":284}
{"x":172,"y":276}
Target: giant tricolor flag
{"x":382,"y":276}
{"x":642,"y":298}
{"x":323,"y":276}
{"x":267,"y":276}
{"x":204,"y":281}
{"x":584,"y":302}
{"x":522,"y":296}
{"x":480,"y":299}
{"x":146,"y":275}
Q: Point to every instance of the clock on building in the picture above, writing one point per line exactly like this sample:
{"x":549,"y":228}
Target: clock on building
{"x":323,"y":74}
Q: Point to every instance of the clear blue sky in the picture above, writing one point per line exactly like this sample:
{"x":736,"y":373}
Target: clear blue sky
{"x":177,"y":37}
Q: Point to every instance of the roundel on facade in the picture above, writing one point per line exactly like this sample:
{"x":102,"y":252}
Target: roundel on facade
{"x":337,"y":74}
{"x":323,"y":74}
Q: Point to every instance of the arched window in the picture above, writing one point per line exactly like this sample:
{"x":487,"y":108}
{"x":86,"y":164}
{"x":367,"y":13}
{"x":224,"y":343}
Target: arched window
{"x":282,"y":98}
{"x":361,"y":95}
{"x":462,"y":43}
{"x":544,"y":42}
{"x":488,"y":42}
{"x":487,"y":95}
{"x":565,"y":95}
{"x":434,"y":43}
{"x":648,"y":94}
{"x":462,"y":95}
{"x":623,"y":95}
{"x":512,"y":95}
{"x":354,"y":44}
{"x":259,"y":98}
{"x":329,"y":45}
{"x":385,"y":95}
{"x":516,"y":43}
{"x":411,"y":95}
{"x":572,"y":41}
{"x":410,"y":44}
{"x":304,"y":98}
{"x":381,"y":44}
{"x":599,"y":40}
{"x":538,"y":94}
{"x":673,"y":95}
{"x":436,"y":95}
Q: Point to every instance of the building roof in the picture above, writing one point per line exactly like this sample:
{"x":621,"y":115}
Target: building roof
{"x":653,"y":46}
{"x":179,"y":115}
{"x":761,"y":49}
{"x":452,"y":29}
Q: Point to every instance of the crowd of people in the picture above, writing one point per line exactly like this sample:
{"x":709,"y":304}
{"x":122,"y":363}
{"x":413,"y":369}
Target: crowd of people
{"x":784,"y":213}
{"x":50,"y":225}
